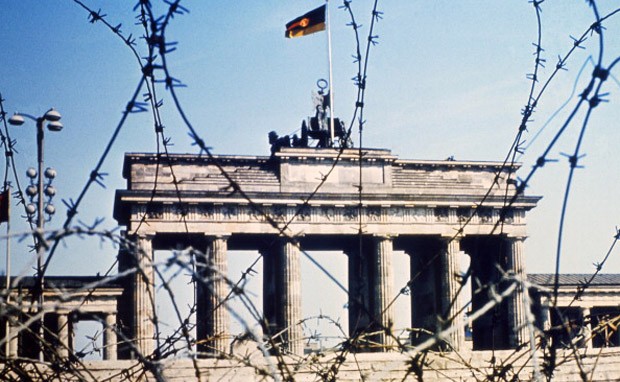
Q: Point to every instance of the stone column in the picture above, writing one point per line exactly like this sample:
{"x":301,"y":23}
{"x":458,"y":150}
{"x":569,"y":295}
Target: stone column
{"x":450,"y":297}
{"x":516,"y":308}
{"x":383,"y":313}
{"x":545,"y":312}
{"x":63,"y":335}
{"x":587,"y":326}
{"x":212,"y":317}
{"x":109,"y":337}
{"x":13,"y":333}
{"x":290,"y":297}
{"x":270,"y":290}
{"x":144,"y":295}
{"x":125,"y":305}
{"x":425,"y":300}
{"x":359,"y":292}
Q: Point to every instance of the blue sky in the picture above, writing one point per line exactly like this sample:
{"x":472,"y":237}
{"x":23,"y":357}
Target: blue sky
{"x":446,"y":79}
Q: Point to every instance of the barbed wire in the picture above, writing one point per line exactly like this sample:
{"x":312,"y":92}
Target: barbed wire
{"x":156,"y":62}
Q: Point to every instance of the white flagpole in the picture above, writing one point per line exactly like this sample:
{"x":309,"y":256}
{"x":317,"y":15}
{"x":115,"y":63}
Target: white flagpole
{"x":7,"y":345}
{"x":331,"y":77}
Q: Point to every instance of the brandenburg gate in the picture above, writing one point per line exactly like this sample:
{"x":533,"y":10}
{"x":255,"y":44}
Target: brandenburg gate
{"x":302,"y":199}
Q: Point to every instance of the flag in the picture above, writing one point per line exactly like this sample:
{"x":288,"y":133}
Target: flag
{"x":4,"y":206}
{"x":311,"y":22}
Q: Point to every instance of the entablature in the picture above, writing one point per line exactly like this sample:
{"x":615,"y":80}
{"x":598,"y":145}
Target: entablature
{"x":315,"y":217}
{"x":318,"y":191}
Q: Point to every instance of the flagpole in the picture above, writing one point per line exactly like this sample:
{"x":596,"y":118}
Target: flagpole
{"x":7,"y":285}
{"x":331,"y":77}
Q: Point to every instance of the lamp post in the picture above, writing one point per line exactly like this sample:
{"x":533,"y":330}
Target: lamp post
{"x":52,"y":117}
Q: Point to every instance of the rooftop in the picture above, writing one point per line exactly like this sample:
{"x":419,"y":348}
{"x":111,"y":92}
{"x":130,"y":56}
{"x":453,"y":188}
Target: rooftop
{"x":64,"y":282}
{"x":575,"y":279}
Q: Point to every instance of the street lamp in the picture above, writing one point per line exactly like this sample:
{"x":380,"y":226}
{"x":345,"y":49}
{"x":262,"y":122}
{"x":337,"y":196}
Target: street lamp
{"x":52,"y":118}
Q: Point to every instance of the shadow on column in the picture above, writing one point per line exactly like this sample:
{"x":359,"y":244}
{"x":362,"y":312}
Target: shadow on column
{"x":281,"y":294}
{"x":488,"y":260}
{"x":361,"y":279}
{"x":424,"y":286}
{"x":271,"y":292}
{"x":371,"y":279}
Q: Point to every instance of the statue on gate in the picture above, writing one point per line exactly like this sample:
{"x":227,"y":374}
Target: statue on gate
{"x":317,"y":128}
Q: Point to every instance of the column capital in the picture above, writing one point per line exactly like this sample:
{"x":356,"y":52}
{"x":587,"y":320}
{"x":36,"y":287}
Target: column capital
{"x":384,"y":236}
{"x":222,"y":236}
{"x":142,"y":235}
{"x":271,"y":243}
{"x":451,"y":238}
{"x":515,"y":237}
{"x":290,"y":239}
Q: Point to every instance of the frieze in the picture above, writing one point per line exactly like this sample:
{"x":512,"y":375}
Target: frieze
{"x":250,"y":213}
{"x":518,"y":216}
{"x":178,"y":209}
{"x":346,"y":214}
{"x":154,"y":211}
{"x":229,"y":212}
{"x":442,"y":214}
{"x":416,"y":215}
{"x":328,"y":213}
{"x":485,"y":215}
{"x":509,"y":216}
{"x":208,"y":211}
{"x":463,"y":214}
{"x":394,"y":213}
{"x":373,"y":214}
{"x":302,"y":214}
{"x":385,"y":215}
{"x":278,"y":213}
{"x":350,"y":213}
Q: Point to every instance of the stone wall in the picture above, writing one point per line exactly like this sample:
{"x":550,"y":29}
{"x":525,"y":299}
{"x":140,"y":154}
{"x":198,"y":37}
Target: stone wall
{"x":601,"y":365}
